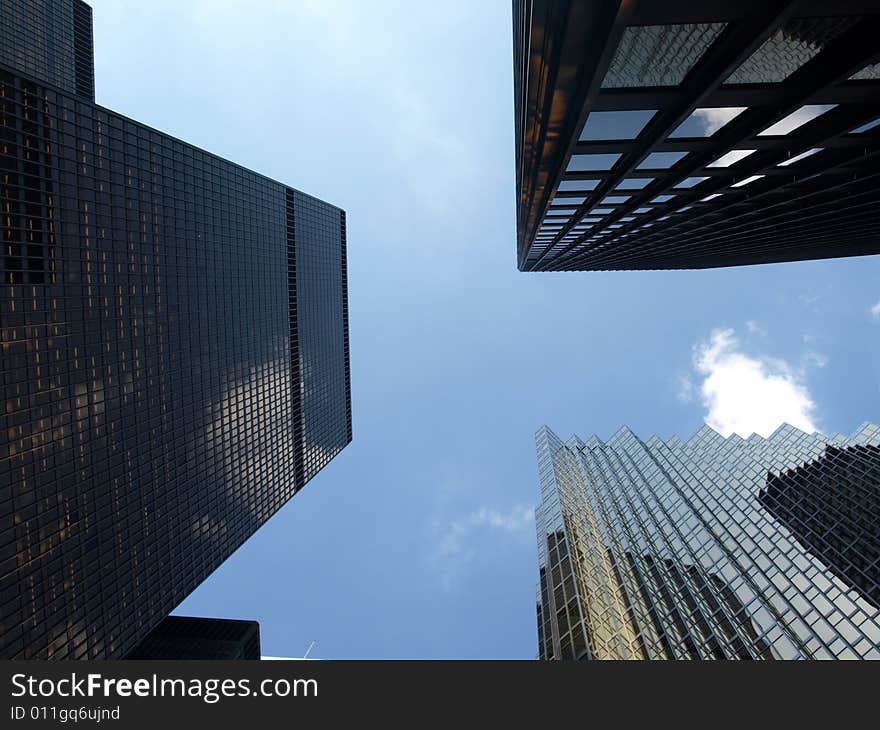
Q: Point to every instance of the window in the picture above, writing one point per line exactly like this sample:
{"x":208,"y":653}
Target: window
{"x":634,"y":183}
{"x":589,"y":163}
{"x":615,"y":125}
{"x":796,"y":119}
{"x":801,"y":156}
{"x":793,"y":45}
{"x":730,"y":158}
{"x":660,"y":160}
{"x":576,"y":186}
{"x":866,"y":127}
{"x":690,"y":182}
{"x":636,"y":59}
{"x":705,"y":122}
{"x":748,"y":180}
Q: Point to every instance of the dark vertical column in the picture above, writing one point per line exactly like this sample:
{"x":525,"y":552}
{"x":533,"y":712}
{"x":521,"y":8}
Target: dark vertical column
{"x":345,"y":321}
{"x":295,"y":374}
{"x":648,"y":599}
{"x":83,"y":51}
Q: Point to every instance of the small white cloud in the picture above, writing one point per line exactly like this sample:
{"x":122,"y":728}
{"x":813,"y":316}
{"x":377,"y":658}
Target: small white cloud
{"x":685,"y":389}
{"x":453,"y":541}
{"x":714,"y":118}
{"x":755,"y":328}
{"x":818,"y":359}
{"x":744,"y":394}
{"x":457,"y":546}
{"x":875,"y":311}
{"x":810,"y":301}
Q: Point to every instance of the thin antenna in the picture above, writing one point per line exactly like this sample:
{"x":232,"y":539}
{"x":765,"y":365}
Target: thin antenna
{"x":306,"y":655}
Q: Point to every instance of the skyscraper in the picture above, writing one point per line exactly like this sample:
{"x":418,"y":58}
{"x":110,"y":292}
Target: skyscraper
{"x":832,"y":506}
{"x":684,"y":135}
{"x":174,"y":351}
{"x":710,"y":548}
{"x":189,"y":637}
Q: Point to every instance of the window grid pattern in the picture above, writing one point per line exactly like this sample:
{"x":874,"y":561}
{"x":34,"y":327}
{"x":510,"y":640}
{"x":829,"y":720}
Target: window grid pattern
{"x":772,"y":203}
{"x":52,"y":40}
{"x":322,"y":317}
{"x":788,"y":49}
{"x":189,"y":637}
{"x":832,"y":506}
{"x":710,"y":548}
{"x":658,"y":55}
{"x":146,"y":364}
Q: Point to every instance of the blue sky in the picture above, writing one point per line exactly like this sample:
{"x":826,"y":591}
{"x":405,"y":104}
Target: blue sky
{"x":418,"y":540}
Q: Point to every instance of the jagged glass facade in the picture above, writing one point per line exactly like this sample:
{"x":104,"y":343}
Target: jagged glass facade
{"x":174,"y":350}
{"x":710,"y":548}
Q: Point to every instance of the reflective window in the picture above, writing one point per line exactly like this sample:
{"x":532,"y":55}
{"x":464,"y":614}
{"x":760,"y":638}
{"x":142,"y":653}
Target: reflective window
{"x":615,"y":125}
{"x":660,"y":160}
{"x":658,"y":55}
{"x":590,"y":163}
{"x":705,"y":122}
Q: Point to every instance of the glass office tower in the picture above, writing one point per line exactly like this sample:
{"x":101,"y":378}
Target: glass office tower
{"x":653,"y":134}
{"x":174,"y":351}
{"x":710,"y":548}
{"x":194,"y":638}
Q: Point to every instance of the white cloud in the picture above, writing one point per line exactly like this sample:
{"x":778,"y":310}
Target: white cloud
{"x":755,"y":328}
{"x":810,"y":301}
{"x":454,"y":540}
{"x":685,"y":389}
{"x":744,"y":394}
{"x":457,"y":543}
{"x":714,"y":118}
{"x":875,"y":311}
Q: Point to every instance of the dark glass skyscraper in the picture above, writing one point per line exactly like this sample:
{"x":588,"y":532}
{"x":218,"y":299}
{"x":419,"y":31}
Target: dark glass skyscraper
{"x":832,"y":506}
{"x":174,"y":351}
{"x":710,"y":548}
{"x":658,"y":134}
{"x":189,"y":637}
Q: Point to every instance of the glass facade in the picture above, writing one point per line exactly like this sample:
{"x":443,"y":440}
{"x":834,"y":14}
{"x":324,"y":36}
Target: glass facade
{"x":788,"y":49}
{"x":174,"y":340}
{"x":51,"y":41}
{"x":322,"y":315}
{"x":719,"y":89}
{"x":832,"y":506}
{"x":192,"y":638}
{"x":710,"y":548}
{"x":658,"y":55}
